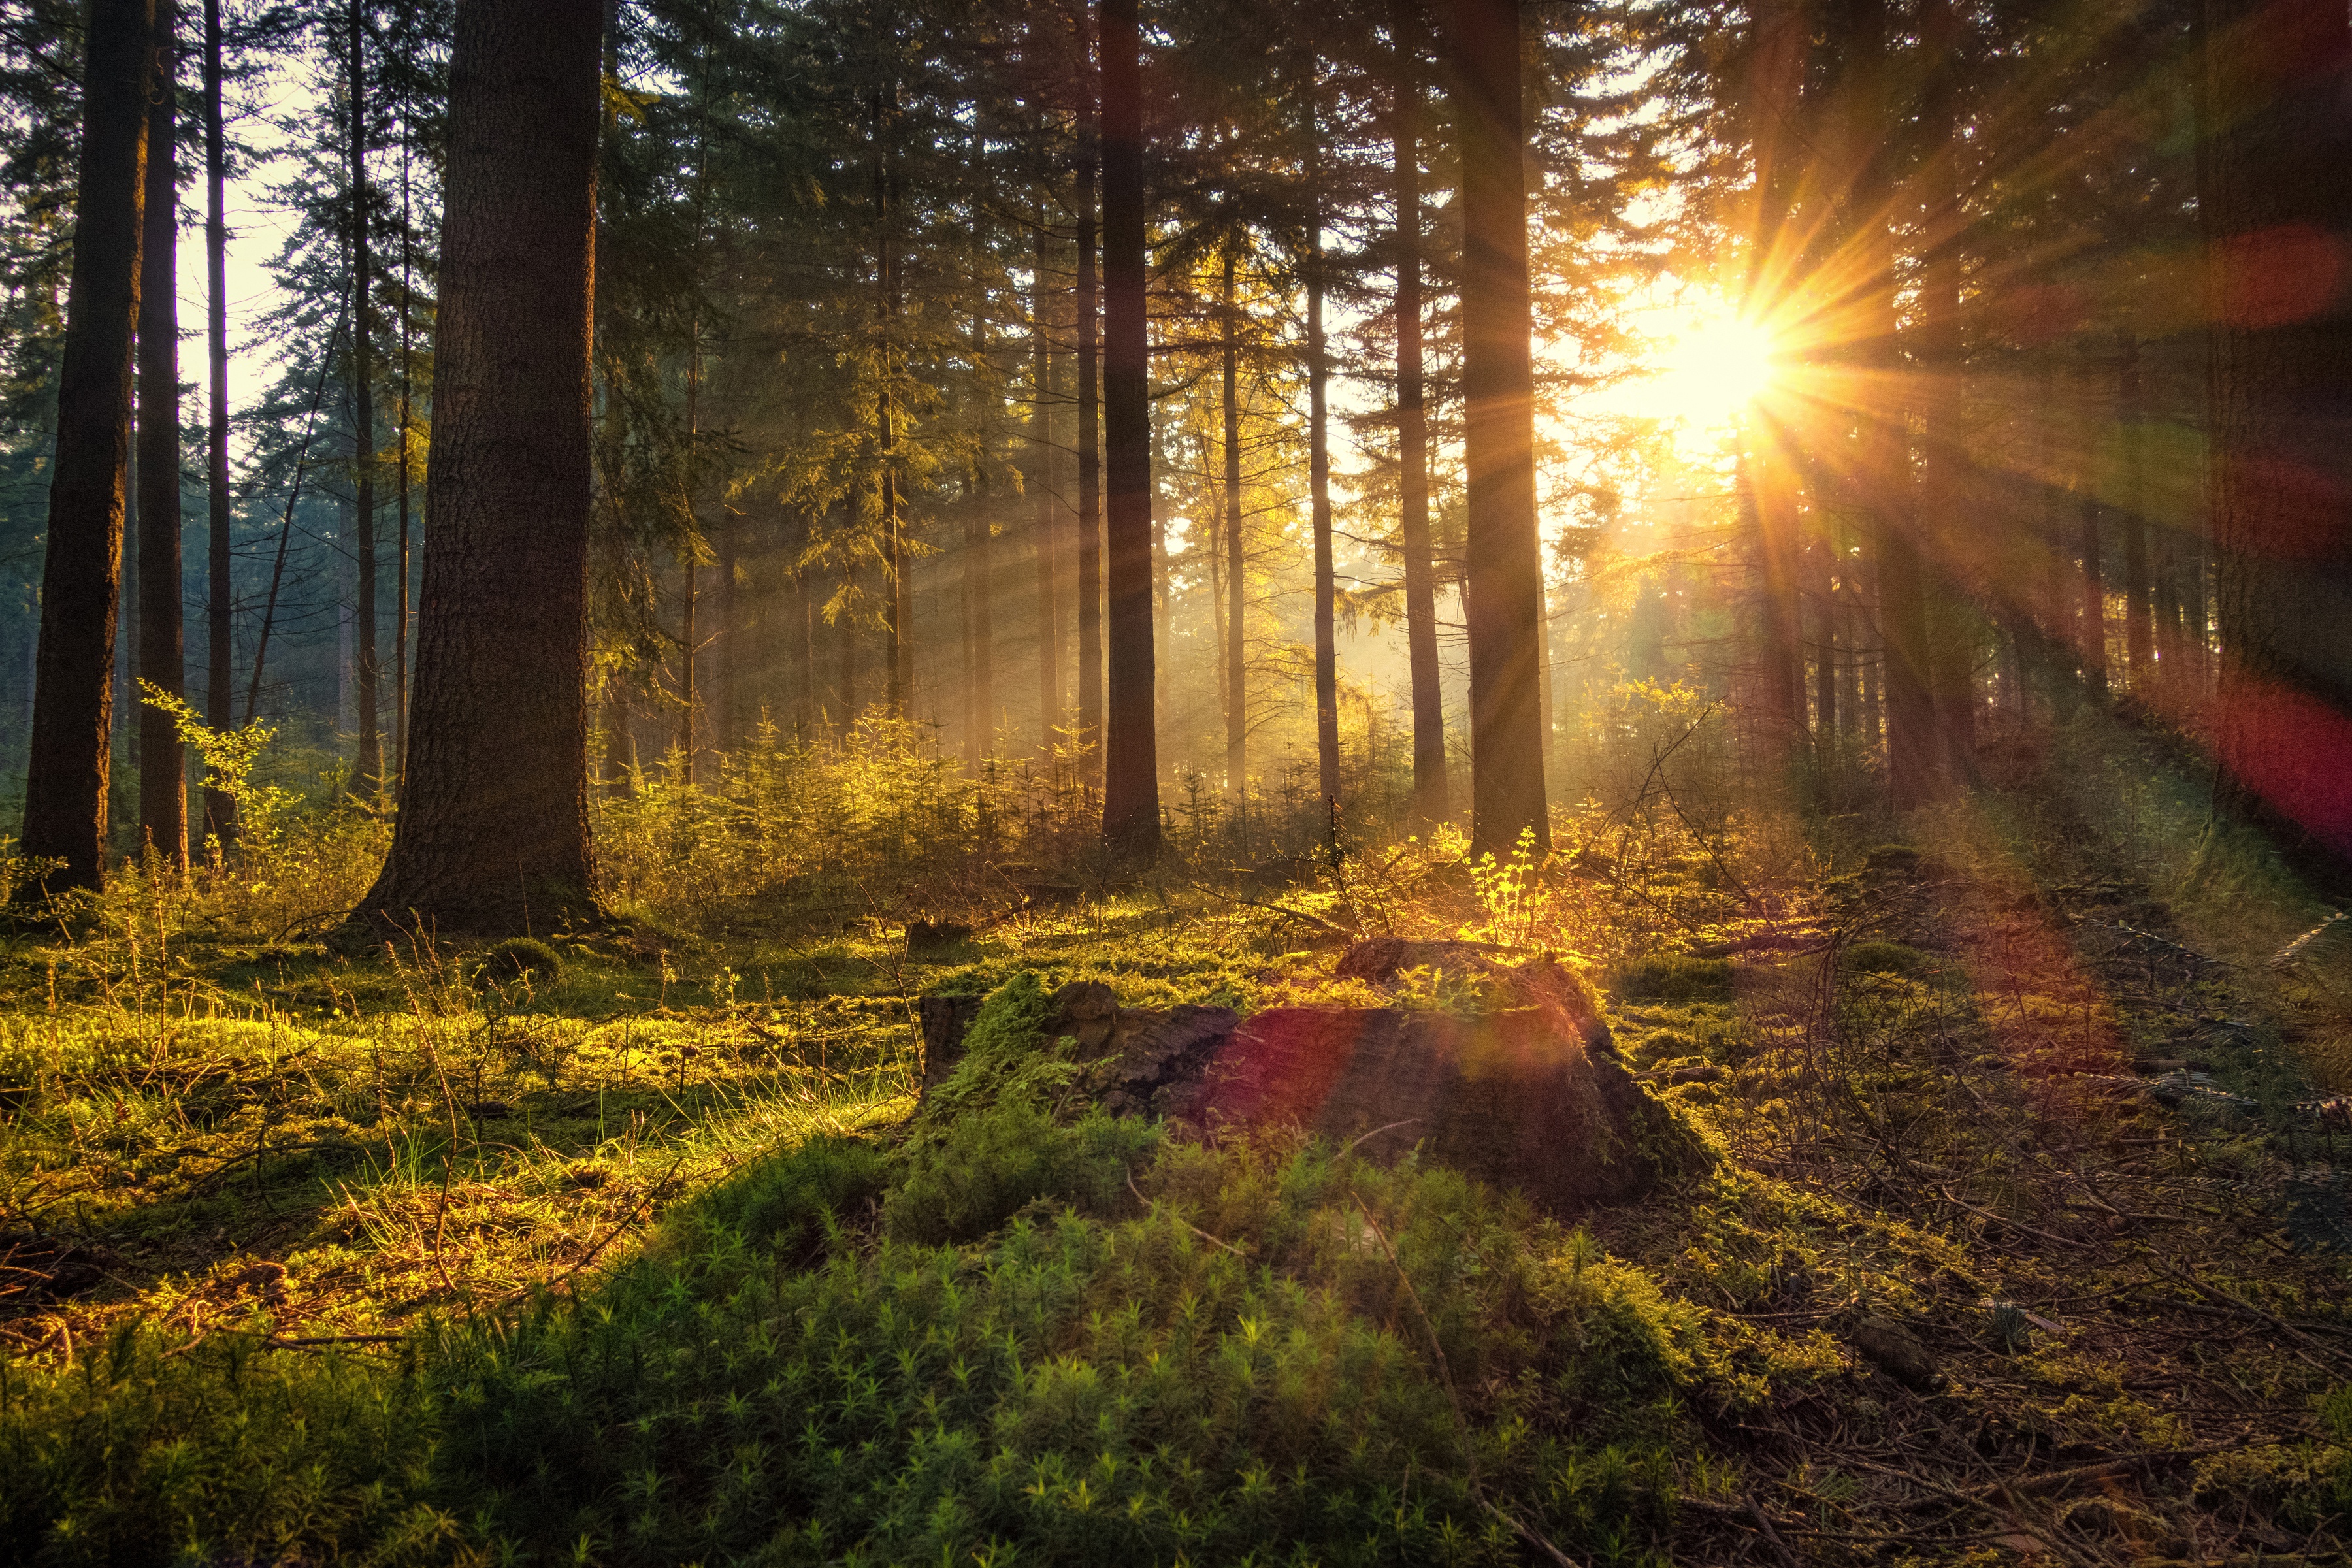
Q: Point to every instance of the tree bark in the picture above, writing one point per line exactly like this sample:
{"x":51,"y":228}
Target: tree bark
{"x":1504,"y":568}
{"x":493,"y":835}
{"x":367,"y":770}
{"x":1130,"y":753}
{"x":1884,"y":476}
{"x":68,"y":764}
{"x":2140,"y":608}
{"x":1318,"y":479}
{"x":1236,"y":558}
{"x":1780,"y":32}
{"x":1090,"y":628}
{"x":1041,"y":469}
{"x":220,"y":641}
{"x":2281,"y":224}
{"x":1940,"y":374}
{"x":163,"y":660}
{"x":2092,"y":584}
{"x":1429,"y":787}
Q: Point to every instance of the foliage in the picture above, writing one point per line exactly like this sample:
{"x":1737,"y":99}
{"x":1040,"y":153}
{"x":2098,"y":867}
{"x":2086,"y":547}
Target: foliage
{"x":141,"y":1451}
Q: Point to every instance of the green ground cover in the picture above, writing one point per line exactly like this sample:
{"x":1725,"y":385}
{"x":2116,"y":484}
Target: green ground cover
{"x":633,"y":1248}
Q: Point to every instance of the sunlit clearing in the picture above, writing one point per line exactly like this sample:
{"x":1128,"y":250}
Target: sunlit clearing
{"x":1708,"y":372}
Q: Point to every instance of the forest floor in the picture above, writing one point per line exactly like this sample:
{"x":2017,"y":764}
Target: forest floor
{"x":2024,"y":1236}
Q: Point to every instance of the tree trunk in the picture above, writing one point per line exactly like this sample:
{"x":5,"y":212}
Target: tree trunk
{"x":1780,"y":32}
{"x":898,"y":560}
{"x":163,"y":765}
{"x":1041,"y":469}
{"x":2093,"y":583}
{"x":1237,"y":559}
{"x":979,"y":588}
{"x":2139,"y":609}
{"x":1090,"y":629}
{"x":69,"y":759}
{"x":1130,"y":752}
{"x":493,"y":835}
{"x":1941,"y":374}
{"x":220,"y":640}
{"x":367,"y":768}
{"x":728,"y":634}
{"x":1504,"y":607}
{"x":1318,"y":471}
{"x":2281,"y":224}
{"x":1884,"y":476}
{"x":1429,"y":787}
{"x":846,"y":648}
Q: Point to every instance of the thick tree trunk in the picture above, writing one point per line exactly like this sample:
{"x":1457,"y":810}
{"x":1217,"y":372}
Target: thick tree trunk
{"x":67,"y":764}
{"x":367,"y":769}
{"x":1884,"y":478}
{"x":2280,"y":211}
{"x":162,"y":662}
{"x":1090,"y":628}
{"x":220,"y":643}
{"x":1504,"y":607}
{"x":1236,"y":558}
{"x":1429,"y":788}
{"x":1318,"y":479}
{"x":1130,"y":752}
{"x":493,"y":835}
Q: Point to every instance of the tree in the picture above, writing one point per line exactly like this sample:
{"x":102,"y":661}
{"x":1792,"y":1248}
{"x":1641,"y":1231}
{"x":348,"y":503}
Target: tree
{"x":220,"y":598}
{"x":1883,"y":473}
{"x":81,"y":574}
{"x":367,"y":767}
{"x":1130,"y":752}
{"x":1429,"y":789}
{"x":493,"y":831}
{"x":1503,"y":567}
{"x":2277,"y":205}
{"x":163,"y":764}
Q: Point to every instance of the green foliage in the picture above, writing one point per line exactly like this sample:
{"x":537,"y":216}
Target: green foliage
{"x":999,"y":1159}
{"x":220,"y":1453}
{"x":1672,"y":977}
{"x":1247,"y":1369}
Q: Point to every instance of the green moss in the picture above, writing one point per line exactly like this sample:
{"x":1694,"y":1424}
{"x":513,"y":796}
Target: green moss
{"x":1884,"y":958}
{"x":518,"y":958}
{"x":1671,"y":977}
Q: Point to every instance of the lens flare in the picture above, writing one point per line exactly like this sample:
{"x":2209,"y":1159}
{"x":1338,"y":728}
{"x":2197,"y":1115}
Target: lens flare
{"x":1714,"y":369}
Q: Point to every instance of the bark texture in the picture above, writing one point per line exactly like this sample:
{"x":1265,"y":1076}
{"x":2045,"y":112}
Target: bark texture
{"x":2279,"y":206}
{"x":81,"y":571}
{"x":1504,"y":570}
{"x":220,"y":811}
{"x":1090,"y":628}
{"x":493,"y":834}
{"x":1130,"y":753}
{"x":163,"y":659}
{"x":1429,"y":788}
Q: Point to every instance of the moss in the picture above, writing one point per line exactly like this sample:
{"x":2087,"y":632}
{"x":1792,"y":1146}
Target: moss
{"x":1884,"y":958}
{"x":1671,"y":977}
{"x":519,"y":957}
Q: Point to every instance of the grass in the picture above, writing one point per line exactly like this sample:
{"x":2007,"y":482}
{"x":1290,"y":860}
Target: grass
{"x":638,"y":1249}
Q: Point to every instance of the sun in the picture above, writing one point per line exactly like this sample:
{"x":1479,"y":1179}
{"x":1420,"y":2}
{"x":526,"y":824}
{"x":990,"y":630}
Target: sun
{"x":1712,"y":369}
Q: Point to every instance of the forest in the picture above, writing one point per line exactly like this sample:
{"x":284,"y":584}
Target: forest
{"x":1391,"y":781}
